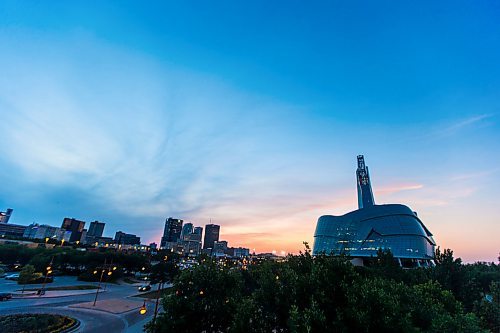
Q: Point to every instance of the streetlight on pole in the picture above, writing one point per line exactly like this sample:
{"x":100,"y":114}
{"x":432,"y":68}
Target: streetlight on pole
{"x":47,"y":272}
{"x":100,"y":280}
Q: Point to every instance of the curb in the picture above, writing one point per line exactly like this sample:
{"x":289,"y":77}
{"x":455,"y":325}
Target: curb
{"x":72,"y":328}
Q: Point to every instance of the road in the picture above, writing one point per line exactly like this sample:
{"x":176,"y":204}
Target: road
{"x":92,"y":320}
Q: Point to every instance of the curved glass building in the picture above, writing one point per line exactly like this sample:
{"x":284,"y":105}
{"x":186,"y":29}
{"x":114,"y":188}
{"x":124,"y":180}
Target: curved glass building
{"x":359,"y":234}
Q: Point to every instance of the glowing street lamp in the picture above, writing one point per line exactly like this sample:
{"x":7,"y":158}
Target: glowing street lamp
{"x":143,"y":309}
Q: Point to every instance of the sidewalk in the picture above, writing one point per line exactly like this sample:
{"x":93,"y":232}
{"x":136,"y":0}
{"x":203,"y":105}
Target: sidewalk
{"x":114,"y":306}
{"x":138,"y":327}
{"x":55,"y":293}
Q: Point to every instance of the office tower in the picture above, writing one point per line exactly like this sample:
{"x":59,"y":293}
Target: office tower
{"x":96,"y":229}
{"x":211,"y":235}
{"x":75,"y":226}
{"x":197,"y":234}
{"x":171,"y":232}
{"x":187,"y":229}
{"x":5,"y":216}
{"x":198,"y":231}
{"x":127,"y":239}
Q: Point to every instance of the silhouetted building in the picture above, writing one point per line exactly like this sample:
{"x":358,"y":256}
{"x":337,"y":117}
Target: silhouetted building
{"x":127,"y":239}
{"x":5,"y":216}
{"x":36,"y":231}
{"x":220,"y":247}
{"x":361,"y":233}
{"x":75,"y":226}
{"x":171,"y":232}
{"x":187,"y":229}
{"x":240,"y":252}
{"x":96,"y":229}
{"x":12,"y":230}
{"x":198,"y":231}
{"x":211,"y":235}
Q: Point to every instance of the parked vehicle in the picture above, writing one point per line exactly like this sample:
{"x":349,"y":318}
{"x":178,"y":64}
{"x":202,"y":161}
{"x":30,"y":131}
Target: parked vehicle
{"x":5,"y":296}
{"x":13,"y":277}
{"x":145,"y":287}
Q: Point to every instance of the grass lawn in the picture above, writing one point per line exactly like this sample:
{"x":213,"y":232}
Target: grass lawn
{"x":153,"y":294}
{"x":79,"y":287}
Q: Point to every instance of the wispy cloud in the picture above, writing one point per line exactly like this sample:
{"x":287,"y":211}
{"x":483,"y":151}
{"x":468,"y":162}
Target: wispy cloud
{"x":397,"y":188}
{"x":461,"y":124}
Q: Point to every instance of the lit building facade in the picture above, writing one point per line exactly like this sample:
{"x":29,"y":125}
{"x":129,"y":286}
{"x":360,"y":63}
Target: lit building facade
{"x":171,"y":232}
{"x":5,"y":216}
{"x":361,"y":233}
{"x":75,"y":226}
{"x":122,"y":238}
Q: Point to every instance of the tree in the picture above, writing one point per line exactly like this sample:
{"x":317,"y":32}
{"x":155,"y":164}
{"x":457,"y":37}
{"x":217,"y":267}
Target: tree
{"x":26,"y":275}
{"x":204,"y":300}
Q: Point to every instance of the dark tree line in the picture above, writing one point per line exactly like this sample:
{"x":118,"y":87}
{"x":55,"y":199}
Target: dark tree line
{"x":327,"y":294}
{"x":71,"y":261}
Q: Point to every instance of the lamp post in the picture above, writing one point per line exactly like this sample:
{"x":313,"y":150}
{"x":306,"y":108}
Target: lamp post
{"x":111,"y":269}
{"x":100,"y":280}
{"x":48,"y":270}
{"x":157,"y":301}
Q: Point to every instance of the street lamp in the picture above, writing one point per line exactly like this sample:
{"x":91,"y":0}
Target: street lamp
{"x":48,"y":271}
{"x":100,"y":280}
{"x":143,"y":309}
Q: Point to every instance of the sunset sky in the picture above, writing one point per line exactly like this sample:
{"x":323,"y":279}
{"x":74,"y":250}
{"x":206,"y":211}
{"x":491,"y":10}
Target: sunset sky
{"x":251,"y":114}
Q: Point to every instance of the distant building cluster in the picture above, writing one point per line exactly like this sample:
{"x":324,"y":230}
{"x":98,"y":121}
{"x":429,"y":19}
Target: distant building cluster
{"x":186,"y":239}
{"x":183,"y":238}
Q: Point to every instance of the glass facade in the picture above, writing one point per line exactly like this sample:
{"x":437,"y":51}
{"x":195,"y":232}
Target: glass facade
{"x":362,"y":232}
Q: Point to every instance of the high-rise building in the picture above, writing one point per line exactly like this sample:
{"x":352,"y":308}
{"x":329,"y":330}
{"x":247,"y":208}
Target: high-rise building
{"x":75,"y":226}
{"x":5,"y":216}
{"x":127,"y":239}
{"x":171,"y":232}
{"x":211,"y":235}
{"x":187,"y":229}
{"x":198,"y":231}
{"x":96,"y":229}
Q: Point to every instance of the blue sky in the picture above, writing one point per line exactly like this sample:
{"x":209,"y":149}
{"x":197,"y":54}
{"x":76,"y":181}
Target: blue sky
{"x":251,"y":114}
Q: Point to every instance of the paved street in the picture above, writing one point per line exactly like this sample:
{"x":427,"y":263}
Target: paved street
{"x":92,"y":320}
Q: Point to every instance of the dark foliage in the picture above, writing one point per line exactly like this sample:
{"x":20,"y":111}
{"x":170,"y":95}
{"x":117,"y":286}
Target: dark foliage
{"x":328,"y":294}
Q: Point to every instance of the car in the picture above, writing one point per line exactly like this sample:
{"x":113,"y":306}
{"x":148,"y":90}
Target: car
{"x":13,"y":277}
{"x":5,"y":296}
{"x":145,"y":287}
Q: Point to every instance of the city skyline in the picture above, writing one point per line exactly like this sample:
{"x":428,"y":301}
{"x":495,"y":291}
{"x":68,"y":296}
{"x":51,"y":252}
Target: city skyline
{"x":192,"y":110}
